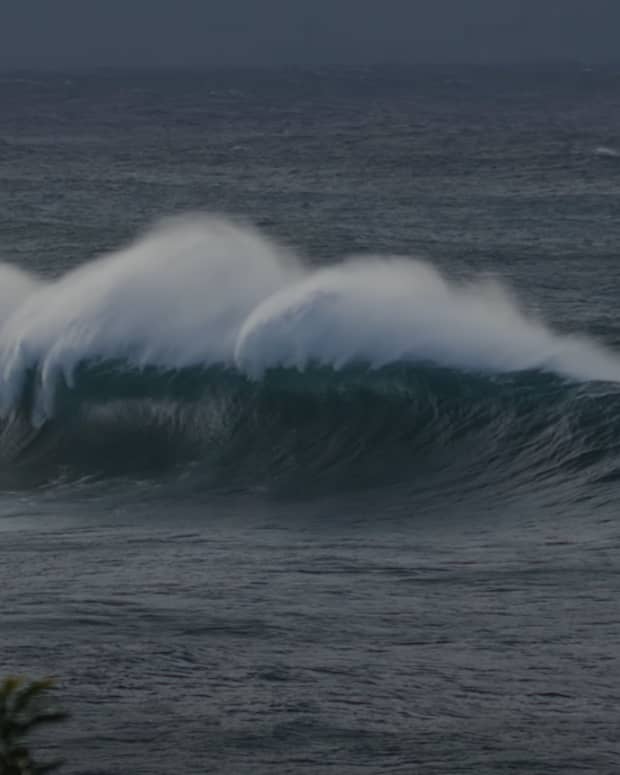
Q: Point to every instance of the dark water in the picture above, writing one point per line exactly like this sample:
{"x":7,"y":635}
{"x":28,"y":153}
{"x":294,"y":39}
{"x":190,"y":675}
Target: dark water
{"x":260,"y":515}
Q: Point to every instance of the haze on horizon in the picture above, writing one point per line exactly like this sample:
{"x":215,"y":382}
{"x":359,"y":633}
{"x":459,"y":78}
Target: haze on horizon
{"x":85,"y":33}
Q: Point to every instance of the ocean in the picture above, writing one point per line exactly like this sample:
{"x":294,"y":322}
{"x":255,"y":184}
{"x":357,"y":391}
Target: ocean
{"x":310,"y":400}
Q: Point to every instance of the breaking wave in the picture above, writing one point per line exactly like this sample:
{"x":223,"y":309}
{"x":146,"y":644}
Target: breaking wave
{"x":204,"y":341}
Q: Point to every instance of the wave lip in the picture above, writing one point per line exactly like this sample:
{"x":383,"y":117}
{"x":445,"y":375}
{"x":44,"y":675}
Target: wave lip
{"x":204,"y":292}
{"x":175,"y":298}
{"x":381,"y":311}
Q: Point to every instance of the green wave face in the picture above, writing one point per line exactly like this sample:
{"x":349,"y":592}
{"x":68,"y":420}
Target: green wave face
{"x":304,"y":431}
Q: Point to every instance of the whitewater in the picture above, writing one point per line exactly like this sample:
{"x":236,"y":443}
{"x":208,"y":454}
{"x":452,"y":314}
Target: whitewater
{"x":204,"y":291}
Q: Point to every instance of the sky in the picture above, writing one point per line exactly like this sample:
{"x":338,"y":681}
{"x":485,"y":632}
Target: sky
{"x":85,"y":33}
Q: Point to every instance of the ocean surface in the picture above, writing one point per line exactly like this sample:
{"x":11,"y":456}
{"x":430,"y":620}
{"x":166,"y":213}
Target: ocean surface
{"x":310,"y":417}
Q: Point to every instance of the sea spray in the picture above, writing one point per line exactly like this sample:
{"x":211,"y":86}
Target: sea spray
{"x":203,"y":292}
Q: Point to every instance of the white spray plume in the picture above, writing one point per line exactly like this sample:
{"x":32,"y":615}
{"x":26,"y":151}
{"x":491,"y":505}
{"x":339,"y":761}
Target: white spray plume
{"x":204,"y":291}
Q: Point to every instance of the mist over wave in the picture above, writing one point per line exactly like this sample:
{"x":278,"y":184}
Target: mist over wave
{"x":204,"y":340}
{"x":15,"y":287}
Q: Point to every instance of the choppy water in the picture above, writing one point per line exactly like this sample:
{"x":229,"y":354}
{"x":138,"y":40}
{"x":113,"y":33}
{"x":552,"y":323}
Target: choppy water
{"x":327,"y":483}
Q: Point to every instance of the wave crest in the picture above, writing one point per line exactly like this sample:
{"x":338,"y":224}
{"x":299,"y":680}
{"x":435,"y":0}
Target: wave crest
{"x":199,"y":292}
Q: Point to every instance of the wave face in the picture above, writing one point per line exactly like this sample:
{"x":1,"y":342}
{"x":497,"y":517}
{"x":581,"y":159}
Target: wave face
{"x":206,"y":343}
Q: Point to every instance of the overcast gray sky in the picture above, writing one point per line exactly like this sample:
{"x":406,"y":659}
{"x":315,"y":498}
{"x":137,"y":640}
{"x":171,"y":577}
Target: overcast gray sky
{"x":60,"y":33}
